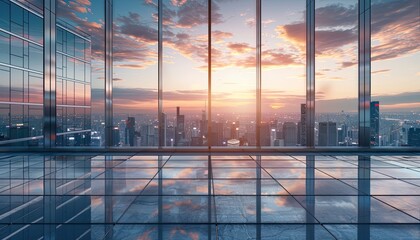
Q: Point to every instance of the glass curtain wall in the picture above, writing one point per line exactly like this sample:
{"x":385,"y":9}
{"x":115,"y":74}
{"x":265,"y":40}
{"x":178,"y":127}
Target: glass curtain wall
{"x":336,"y":73}
{"x":283,"y":73}
{"x":21,"y":74}
{"x":395,"y":106}
{"x":161,"y":75}
{"x":135,"y":69}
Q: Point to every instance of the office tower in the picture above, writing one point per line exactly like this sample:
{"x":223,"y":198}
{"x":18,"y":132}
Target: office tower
{"x":234,"y":130}
{"x":163,"y":125}
{"x":180,"y":128}
{"x":203,"y":125}
{"x":374,"y":123}
{"x":290,"y":133}
{"x":265,"y":134}
{"x":115,"y":136}
{"x":147,"y":135}
{"x":414,"y":137}
{"x":273,"y":136}
{"x":302,"y":137}
{"x":327,"y":135}
{"x":170,"y":136}
{"x":196,"y":138}
{"x":130,"y":131}
{"x":217,"y":137}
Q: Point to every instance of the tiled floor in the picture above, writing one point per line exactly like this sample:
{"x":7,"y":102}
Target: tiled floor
{"x":210,"y":197}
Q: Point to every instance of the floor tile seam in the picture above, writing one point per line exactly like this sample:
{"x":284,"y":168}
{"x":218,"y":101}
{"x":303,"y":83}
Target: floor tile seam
{"x":374,"y":198}
{"x":140,"y":193}
{"x":312,"y":215}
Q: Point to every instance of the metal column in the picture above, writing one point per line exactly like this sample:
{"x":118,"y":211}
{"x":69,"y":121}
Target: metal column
{"x":160,"y":79}
{"x":108,"y":74}
{"x":209,"y":122}
{"x":258,"y":72}
{"x":364,"y":73}
{"x":310,"y":73}
{"x":50,"y":124}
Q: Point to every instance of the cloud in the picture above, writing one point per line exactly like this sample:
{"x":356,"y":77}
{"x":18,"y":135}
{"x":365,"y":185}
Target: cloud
{"x":219,"y":36}
{"x":238,"y":48}
{"x":381,"y":71}
{"x":336,"y":27}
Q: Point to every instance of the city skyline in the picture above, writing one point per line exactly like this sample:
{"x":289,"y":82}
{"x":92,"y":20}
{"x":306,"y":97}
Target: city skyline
{"x":185,"y":49}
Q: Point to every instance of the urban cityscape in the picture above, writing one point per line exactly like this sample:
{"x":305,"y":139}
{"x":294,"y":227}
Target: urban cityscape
{"x":331,"y":129}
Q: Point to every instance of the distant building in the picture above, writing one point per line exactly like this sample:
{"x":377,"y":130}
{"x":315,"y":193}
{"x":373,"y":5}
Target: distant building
{"x":115,"y":136}
{"x":180,"y":127}
{"x":374,"y":123}
{"x":302,"y":132}
{"x":327,"y":135}
{"x":290,"y":133}
{"x":265,"y":134}
{"x":148,"y":135}
{"x":414,"y":137}
{"x":163,"y":125}
{"x":217,"y":138}
{"x":130,"y":131}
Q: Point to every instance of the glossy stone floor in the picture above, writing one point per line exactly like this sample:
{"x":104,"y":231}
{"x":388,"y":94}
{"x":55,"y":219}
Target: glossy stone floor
{"x":210,"y":197}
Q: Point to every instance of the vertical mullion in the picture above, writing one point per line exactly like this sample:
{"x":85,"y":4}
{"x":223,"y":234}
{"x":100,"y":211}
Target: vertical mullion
{"x":160,"y":81}
{"x":364,"y":72}
{"x":49,"y":113}
{"x":108,"y":74}
{"x":209,"y":122}
{"x":258,"y":72}
{"x":310,"y":73}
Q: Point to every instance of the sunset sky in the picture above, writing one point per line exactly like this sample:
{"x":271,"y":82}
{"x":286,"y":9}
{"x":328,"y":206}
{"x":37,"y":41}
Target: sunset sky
{"x":395,"y":57}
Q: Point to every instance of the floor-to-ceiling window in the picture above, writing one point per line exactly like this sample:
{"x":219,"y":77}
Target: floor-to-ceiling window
{"x":336,"y":79}
{"x":184,"y":73}
{"x":135,"y":74}
{"x":283,"y":73}
{"x":233,"y":73}
{"x":394,"y":110}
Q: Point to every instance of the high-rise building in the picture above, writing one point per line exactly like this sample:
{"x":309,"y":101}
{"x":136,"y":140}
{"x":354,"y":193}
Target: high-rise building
{"x":290,"y":133}
{"x":180,"y":128}
{"x":203,"y":125}
{"x":115,"y":136}
{"x":302,"y":136}
{"x":130,"y":131}
{"x":163,"y":125}
{"x":327,"y":135}
{"x":265,"y":134}
{"x":22,"y":78}
{"x":414,"y":137}
{"x":234,"y":130}
{"x":374,"y":123}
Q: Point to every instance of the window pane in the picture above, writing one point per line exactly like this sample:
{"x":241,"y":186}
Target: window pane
{"x":336,"y":87}
{"x":135,"y":74}
{"x":185,"y":72}
{"x":234,"y":73}
{"x":395,"y":106}
{"x":283,"y":72}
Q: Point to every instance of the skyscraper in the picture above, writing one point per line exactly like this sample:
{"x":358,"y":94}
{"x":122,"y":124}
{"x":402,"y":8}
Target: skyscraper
{"x":130,"y":131}
{"x":414,"y":137}
{"x":327,"y":134}
{"x":290,"y":133}
{"x":374,"y":123}
{"x":302,"y":136}
{"x":180,"y":127}
{"x":163,"y":125}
